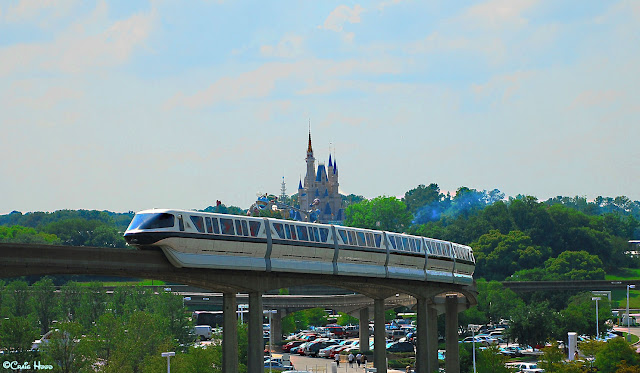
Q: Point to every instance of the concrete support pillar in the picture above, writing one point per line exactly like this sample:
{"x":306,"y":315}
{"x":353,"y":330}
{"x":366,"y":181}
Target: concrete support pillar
{"x":364,"y":329}
{"x":379,"y":345}
{"x":276,"y":327}
{"x":255,"y":363}
{"x":229,"y":333}
{"x":452,"y":357}
{"x":432,"y":339}
{"x":422,"y":354}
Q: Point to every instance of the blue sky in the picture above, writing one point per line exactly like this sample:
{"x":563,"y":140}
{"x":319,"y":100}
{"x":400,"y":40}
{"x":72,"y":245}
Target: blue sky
{"x":128,"y":105}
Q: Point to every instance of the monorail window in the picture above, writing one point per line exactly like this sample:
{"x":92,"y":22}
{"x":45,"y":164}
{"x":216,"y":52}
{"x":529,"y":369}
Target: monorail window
{"x":360,"y":236}
{"x":198,"y":222}
{"x":405,"y":243}
{"x":254,"y":228}
{"x":392,"y":239}
{"x":279,"y":229}
{"x":287,"y":231}
{"x":238,"y":228}
{"x":152,"y":221}
{"x":303,"y":235}
{"x":207,"y":221}
{"x":419,"y":245}
{"x":324,"y":234}
{"x":214,"y":221}
{"x":343,"y":235}
{"x":378,"y":238}
{"x":368,"y":237}
{"x":311,"y":237}
{"x":292,"y":230}
{"x":227,"y":226}
{"x":399,"y":243}
{"x":245,"y":229}
{"x":316,"y":234}
{"x":352,"y":238}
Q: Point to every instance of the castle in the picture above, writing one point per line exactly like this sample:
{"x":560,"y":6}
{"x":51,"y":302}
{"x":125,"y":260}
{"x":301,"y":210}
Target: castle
{"x":319,"y":193}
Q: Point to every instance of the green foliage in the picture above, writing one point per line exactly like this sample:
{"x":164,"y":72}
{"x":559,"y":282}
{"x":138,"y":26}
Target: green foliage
{"x":17,"y":334}
{"x":422,"y":196}
{"x":222,"y":209}
{"x":44,"y":302}
{"x":346,"y":319}
{"x":498,"y":254}
{"x":67,"y":349}
{"x":613,"y":354}
{"x":580,"y":314}
{"x":495,"y":302}
{"x":92,"y":304}
{"x":301,"y":320}
{"x":81,"y":232}
{"x":552,"y":359}
{"x":532,"y":324}
{"x":491,"y":361}
{"x":19,"y":234}
{"x":17,"y":298}
{"x":382,"y":213}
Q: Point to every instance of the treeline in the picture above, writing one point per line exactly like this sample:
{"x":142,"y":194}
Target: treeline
{"x":520,"y":238}
{"x":92,"y":331}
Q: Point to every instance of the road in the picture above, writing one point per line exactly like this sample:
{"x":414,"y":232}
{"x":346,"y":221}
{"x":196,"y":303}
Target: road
{"x":321,"y":365}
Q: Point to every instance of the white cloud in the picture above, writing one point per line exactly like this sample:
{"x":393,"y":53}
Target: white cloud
{"x":497,"y":14}
{"x":317,"y":77}
{"x":290,"y":46}
{"x":341,"y":15}
{"x":28,"y":10}
{"x":79,"y":48}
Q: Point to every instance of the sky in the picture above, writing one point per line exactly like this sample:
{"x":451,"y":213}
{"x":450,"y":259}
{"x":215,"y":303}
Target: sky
{"x":130,"y":105}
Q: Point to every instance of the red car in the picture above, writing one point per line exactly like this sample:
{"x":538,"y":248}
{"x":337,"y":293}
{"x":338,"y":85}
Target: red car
{"x":287,"y":347}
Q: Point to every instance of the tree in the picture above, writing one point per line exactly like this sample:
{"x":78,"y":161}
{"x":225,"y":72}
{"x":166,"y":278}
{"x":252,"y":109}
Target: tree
{"x":532,"y":324}
{"x":17,"y":334}
{"x":492,"y":361}
{"x":67,"y":348}
{"x":170,"y":307}
{"x":382,"y":213}
{"x":423,"y":197}
{"x":145,"y":336}
{"x":19,"y":234}
{"x":92,"y":304}
{"x":498,"y":255}
{"x":44,"y":302}
{"x":613,"y":354}
{"x":574,"y":265}
{"x":579,"y":314}
{"x":70,"y":295}
{"x":17,"y":298}
{"x":552,"y":359}
{"x":107,"y":335}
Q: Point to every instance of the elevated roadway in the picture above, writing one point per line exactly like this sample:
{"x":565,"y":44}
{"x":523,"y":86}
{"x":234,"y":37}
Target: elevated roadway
{"x":587,"y":285}
{"x":431,"y":297}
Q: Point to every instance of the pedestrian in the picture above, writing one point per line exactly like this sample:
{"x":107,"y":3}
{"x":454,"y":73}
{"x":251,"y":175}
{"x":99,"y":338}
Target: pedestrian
{"x":337,"y":358}
{"x":350,"y":358}
{"x":359,"y":359}
{"x":408,"y":368}
{"x":364,"y":360}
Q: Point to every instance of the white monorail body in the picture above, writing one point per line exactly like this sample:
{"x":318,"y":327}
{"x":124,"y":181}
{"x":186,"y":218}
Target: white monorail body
{"x":206,"y":240}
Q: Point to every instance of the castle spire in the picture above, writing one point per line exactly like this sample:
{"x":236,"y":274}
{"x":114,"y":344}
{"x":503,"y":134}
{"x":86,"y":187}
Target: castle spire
{"x":309,"y":148}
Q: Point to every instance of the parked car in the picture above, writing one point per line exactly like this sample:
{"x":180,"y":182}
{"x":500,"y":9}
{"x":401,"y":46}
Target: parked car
{"x":288,"y":346}
{"x":203,"y":332}
{"x":277,"y":365}
{"x":511,"y":351}
{"x":326,"y":352}
{"x":400,"y":347}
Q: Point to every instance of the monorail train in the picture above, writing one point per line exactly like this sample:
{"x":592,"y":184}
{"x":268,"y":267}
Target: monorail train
{"x":208,"y":240}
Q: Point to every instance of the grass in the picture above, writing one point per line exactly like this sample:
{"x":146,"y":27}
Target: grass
{"x":619,"y":296}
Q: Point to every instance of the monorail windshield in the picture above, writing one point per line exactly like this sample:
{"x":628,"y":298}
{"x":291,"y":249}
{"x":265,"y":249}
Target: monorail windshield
{"x":152,"y":221}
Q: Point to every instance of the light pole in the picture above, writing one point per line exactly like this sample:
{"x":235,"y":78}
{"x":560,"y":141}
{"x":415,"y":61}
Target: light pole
{"x":168,"y":356}
{"x":473,"y":347}
{"x":628,"y":323}
{"x":241,"y":308}
{"x":597,"y":326}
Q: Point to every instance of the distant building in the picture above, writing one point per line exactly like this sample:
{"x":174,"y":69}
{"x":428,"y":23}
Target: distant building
{"x":319,"y":191}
